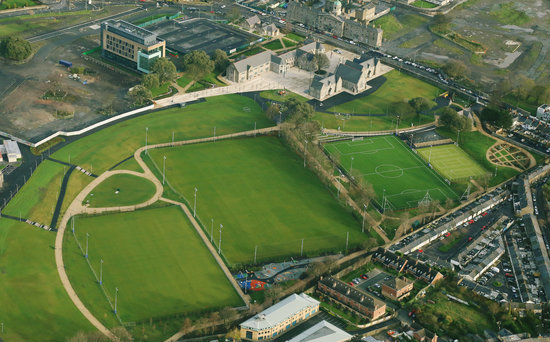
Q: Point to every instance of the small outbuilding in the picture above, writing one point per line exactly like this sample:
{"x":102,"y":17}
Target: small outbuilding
{"x":12,"y":151}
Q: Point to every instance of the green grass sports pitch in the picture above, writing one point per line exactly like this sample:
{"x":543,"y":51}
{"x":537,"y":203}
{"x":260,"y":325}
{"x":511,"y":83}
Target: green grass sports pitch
{"x":263,"y":196}
{"x":121,"y":190}
{"x":451,"y":162}
{"x":388,"y":164}
{"x":154,"y":257}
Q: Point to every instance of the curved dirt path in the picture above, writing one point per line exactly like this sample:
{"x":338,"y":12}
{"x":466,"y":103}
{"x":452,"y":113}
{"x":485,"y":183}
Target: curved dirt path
{"x":76,"y":208}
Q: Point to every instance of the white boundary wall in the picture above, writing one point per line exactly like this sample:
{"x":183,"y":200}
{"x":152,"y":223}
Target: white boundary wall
{"x":82,"y":131}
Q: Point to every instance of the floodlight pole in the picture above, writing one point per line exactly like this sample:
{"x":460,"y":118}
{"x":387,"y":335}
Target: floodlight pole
{"x":220,"y":243}
{"x":195,"y":205}
{"x":384,"y":201}
{"x":396,"y":125}
{"x":146,"y":133}
{"x":364,"y":214}
{"x":305,"y":151}
{"x":255,"y":252}
{"x":163,"y":168}
{"x":302,"y":248}
{"x":172,"y":138}
{"x":457,"y":135}
{"x":101,"y":272}
{"x":116,"y":297}
{"x":430,"y":157}
{"x":212,"y":230}
{"x":87,"y":236}
{"x":351,"y":167}
{"x":347,"y":240}
{"x":73,"y":225}
{"x":214,"y":133}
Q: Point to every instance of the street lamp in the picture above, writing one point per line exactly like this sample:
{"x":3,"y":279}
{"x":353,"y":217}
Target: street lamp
{"x":195,"y":205}
{"x":116,"y":297}
{"x":305,"y":150}
{"x":101,"y":272}
{"x":163,"y":169}
{"x":220,"y":243}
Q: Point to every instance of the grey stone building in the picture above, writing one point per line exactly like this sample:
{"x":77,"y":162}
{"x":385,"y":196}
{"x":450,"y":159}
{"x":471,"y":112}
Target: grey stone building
{"x":349,"y":76}
{"x":351,"y":23}
{"x":254,"y":66}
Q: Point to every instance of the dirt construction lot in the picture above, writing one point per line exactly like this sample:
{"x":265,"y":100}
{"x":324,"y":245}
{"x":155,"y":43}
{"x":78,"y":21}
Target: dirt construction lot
{"x":38,"y":97}
{"x":515,"y":34}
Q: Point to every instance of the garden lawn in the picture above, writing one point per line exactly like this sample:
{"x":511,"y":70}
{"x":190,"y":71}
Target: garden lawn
{"x":398,"y":86}
{"x":274,"y":95}
{"x":288,"y":43}
{"x":34,"y":302}
{"x":160,"y":90}
{"x":476,"y":145}
{"x":37,"y":198}
{"x":451,"y":162}
{"x":183,"y":81}
{"x":295,"y":37}
{"x":105,"y":148}
{"x":388,"y":164}
{"x":274,"y":45}
{"x":454,"y":316}
{"x":157,"y":261}
{"x":263,"y":196}
{"x":423,"y":4}
{"x":131,"y":190}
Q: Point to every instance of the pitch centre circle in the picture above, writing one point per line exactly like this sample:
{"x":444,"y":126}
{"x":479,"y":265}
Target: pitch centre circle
{"x":389,"y":171}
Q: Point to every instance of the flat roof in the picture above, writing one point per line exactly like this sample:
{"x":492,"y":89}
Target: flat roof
{"x":11,"y":147}
{"x":280,"y":312}
{"x":322,"y":332}
{"x":131,"y":31}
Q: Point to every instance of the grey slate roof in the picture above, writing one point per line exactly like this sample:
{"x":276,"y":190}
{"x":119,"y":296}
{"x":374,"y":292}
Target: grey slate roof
{"x":253,"y":61}
{"x":253,"y":20}
{"x":348,"y":73}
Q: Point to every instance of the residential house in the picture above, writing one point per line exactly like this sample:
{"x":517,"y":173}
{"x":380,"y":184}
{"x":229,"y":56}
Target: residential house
{"x":355,"y":299}
{"x":252,"y":23}
{"x":397,"y":288}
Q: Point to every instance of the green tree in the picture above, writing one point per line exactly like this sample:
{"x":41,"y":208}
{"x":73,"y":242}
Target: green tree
{"x":321,"y":60}
{"x":523,"y":88}
{"x":420,"y":104}
{"x":402,"y":109}
{"x":306,"y":63}
{"x":15,"y":48}
{"x":454,"y":121}
{"x":197,"y":64}
{"x":496,"y":116}
{"x":165,"y":69}
{"x":150,"y":81}
{"x":272,"y":111}
{"x":456,"y":69}
{"x":440,"y":23}
{"x":298,"y":112}
{"x":140,"y":94}
{"x":221,"y":62}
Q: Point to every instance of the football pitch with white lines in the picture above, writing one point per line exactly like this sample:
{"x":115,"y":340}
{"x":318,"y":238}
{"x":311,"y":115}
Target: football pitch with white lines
{"x":451,"y":162}
{"x":397,"y":174}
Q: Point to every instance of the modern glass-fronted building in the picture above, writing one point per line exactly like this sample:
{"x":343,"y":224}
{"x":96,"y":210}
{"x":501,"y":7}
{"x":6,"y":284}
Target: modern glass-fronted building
{"x":130,"y":45}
